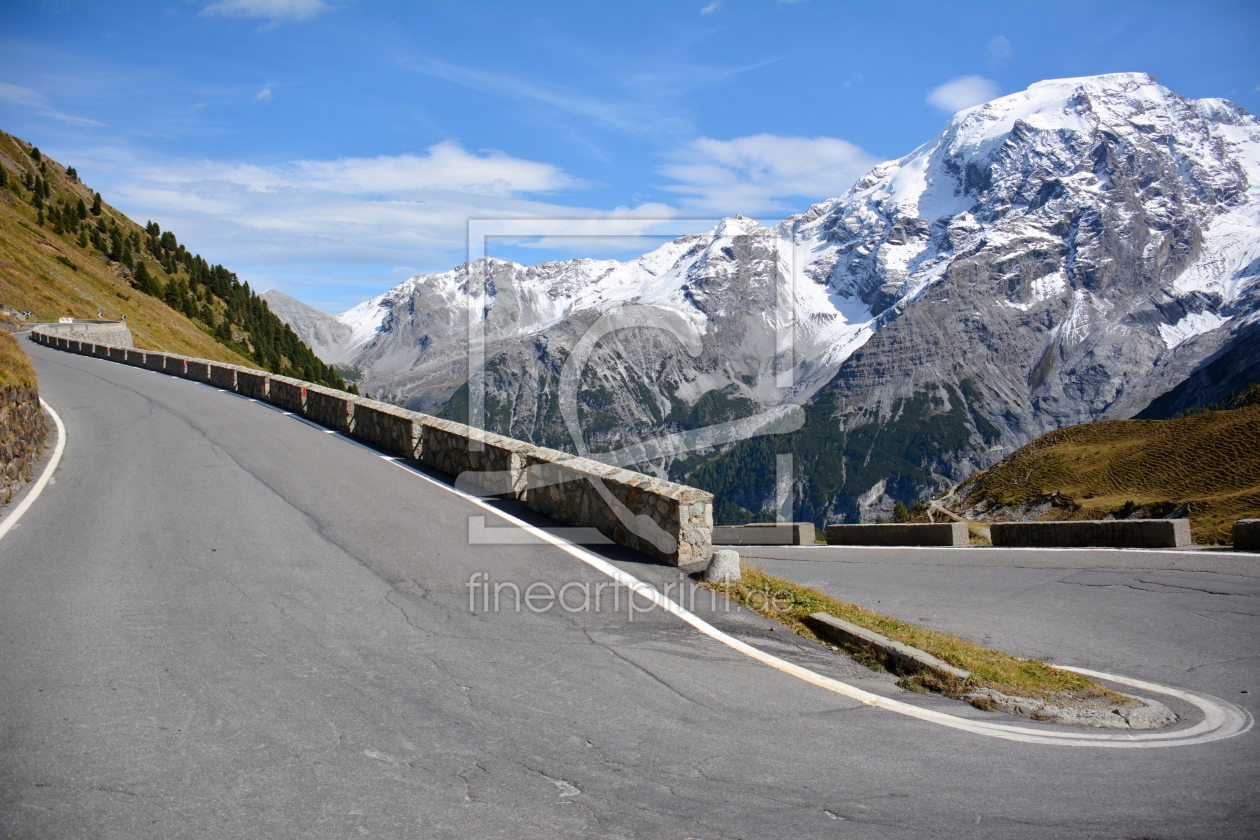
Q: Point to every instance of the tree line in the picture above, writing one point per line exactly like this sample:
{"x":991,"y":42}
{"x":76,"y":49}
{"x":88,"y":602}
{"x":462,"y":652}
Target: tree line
{"x":164,"y":269}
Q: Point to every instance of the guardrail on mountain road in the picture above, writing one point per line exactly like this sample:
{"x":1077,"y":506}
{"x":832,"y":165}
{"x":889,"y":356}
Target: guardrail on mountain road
{"x":669,"y":521}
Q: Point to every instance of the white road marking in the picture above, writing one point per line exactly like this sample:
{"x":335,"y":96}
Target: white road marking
{"x":44,"y":478}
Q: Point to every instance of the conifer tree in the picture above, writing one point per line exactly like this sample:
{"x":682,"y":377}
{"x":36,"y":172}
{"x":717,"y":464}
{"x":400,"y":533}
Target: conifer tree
{"x":96,"y":204}
{"x":81,"y":210}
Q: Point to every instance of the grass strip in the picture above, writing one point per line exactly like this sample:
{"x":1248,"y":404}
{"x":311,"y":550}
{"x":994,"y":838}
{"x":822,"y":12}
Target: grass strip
{"x":790,"y":603}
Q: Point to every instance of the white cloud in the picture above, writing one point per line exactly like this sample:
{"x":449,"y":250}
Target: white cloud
{"x":280,"y":225}
{"x":711,"y":8}
{"x":264,"y":95}
{"x":998,"y":51}
{"x":273,"y":10}
{"x":21,"y":97}
{"x":963,"y":92}
{"x":759,"y":174}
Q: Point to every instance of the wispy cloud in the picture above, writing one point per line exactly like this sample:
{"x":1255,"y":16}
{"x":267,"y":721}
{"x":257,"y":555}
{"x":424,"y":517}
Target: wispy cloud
{"x":998,"y":51}
{"x":274,"y":11}
{"x":264,"y":95}
{"x":643,"y":102}
{"x":711,"y":8}
{"x":279,"y":225}
{"x":762,"y":173}
{"x":963,"y":92}
{"x":632,"y":116}
{"x":21,"y":97}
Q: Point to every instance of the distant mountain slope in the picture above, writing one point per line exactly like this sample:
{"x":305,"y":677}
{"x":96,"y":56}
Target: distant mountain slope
{"x":1061,"y":255}
{"x":65,"y":252}
{"x":323,"y":333}
{"x":1205,"y":467}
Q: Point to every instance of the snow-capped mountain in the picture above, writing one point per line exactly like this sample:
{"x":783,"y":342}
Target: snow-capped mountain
{"x":1060,"y":255}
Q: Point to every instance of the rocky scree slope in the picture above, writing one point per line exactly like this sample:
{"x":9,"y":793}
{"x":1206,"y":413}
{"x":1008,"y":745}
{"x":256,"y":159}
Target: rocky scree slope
{"x":1057,"y":256}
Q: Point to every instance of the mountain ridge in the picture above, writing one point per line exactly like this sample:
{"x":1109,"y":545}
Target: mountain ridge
{"x":1060,"y":255}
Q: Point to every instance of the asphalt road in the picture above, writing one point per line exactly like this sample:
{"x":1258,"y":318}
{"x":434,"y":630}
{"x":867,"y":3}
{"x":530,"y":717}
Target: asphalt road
{"x":220,"y":621}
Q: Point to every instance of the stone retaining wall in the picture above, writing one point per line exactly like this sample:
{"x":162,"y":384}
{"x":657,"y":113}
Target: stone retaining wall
{"x":1118,"y":533}
{"x":23,"y":430}
{"x":666,"y":520}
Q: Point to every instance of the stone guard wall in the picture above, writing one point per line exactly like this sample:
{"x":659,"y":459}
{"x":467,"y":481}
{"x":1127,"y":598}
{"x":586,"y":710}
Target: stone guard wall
{"x":23,"y":430}
{"x":670,"y":521}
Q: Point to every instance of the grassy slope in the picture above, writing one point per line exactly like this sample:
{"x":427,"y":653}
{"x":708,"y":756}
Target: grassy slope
{"x":1209,"y":461}
{"x":33,"y":279}
{"x":59,"y":256}
{"x":15,"y":367}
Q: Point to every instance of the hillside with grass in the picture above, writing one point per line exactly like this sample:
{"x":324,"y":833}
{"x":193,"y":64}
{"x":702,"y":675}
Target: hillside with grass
{"x":23,"y":428}
{"x":65,"y":252}
{"x":1205,"y":467}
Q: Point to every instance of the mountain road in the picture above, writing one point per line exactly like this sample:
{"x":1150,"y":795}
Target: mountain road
{"x":219,"y":620}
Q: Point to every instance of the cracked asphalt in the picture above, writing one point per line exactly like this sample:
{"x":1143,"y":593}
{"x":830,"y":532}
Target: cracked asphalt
{"x":221,"y":622}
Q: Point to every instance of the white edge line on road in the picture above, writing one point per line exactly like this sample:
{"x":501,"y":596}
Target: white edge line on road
{"x":988,"y":549}
{"x":44,"y":478}
{"x":1220,"y":719}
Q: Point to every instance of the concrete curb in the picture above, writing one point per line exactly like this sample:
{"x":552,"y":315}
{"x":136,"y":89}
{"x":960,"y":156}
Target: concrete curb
{"x":903,"y":658}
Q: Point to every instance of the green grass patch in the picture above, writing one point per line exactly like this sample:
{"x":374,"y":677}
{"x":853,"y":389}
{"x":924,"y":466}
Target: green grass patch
{"x":1207,"y":464}
{"x":790,"y":604}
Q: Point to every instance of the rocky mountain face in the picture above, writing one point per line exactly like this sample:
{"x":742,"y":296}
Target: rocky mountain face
{"x":1061,"y":255}
{"x":323,"y":333}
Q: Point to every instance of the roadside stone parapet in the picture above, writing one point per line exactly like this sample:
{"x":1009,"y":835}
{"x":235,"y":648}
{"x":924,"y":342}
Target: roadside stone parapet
{"x":330,"y":407}
{"x":223,"y":376}
{"x":669,"y":521}
{"x":1111,"y":533}
{"x":907,"y":533}
{"x":388,"y":426}
{"x":110,"y":333}
{"x":252,"y":383}
{"x":1246,"y":535}
{"x":765,"y":533}
{"x":287,"y":393}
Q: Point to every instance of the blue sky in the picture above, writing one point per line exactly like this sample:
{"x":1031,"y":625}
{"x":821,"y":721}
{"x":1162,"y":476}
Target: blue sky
{"x":331,"y":148}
